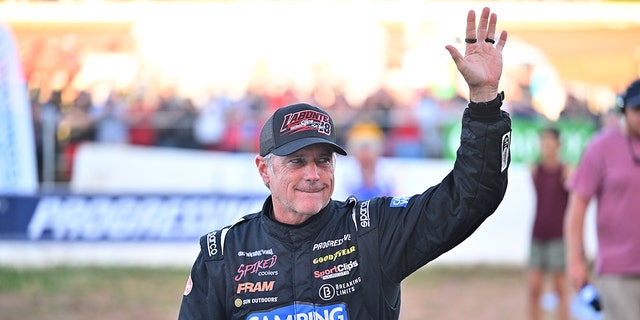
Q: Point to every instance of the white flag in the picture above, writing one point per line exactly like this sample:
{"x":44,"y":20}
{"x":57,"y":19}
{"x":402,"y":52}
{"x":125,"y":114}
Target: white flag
{"x":17,"y":146}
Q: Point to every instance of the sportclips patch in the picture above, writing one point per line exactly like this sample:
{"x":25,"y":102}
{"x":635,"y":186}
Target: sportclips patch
{"x":506,"y":145}
{"x":306,"y":120}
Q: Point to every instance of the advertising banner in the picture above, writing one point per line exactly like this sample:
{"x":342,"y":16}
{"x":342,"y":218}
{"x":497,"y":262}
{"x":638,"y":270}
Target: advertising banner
{"x":525,"y":149}
{"x":120,"y":217}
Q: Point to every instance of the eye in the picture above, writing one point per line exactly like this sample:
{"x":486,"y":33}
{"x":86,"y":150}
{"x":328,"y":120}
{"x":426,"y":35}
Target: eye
{"x":324,"y":160}
{"x":297,"y":161}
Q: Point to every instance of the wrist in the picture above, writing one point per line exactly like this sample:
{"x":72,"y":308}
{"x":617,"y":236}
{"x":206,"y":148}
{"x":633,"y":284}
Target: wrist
{"x":486,"y":94}
{"x":575,"y":258}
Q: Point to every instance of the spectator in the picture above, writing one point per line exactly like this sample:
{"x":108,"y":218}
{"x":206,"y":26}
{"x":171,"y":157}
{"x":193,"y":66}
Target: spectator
{"x":210,"y":125}
{"x":547,"y":251}
{"x":577,"y":109}
{"x":183,"y":126}
{"x":431,"y":118}
{"x":110,"y":120}
{"x":381,"y":103}
{"x":165,"y":117}
{"x":140,"y":116}
{"x":404,"y":139}
{"x":366,"y":142}
{"x":76,"y":126}
{"x":609,"y":171}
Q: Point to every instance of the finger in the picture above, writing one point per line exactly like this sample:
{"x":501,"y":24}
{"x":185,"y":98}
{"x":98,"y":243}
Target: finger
{"x":483,"y":23}
{"x":471,"y":25}
{"x":502,"y":41}
{"x":493,"y":20}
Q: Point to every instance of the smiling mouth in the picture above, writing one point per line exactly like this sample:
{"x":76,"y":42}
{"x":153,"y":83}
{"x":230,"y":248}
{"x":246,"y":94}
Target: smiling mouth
{"x":314,"y":190}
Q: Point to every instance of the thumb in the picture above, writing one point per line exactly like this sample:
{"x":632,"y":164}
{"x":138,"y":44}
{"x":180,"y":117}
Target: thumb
{"x":455,"y":54}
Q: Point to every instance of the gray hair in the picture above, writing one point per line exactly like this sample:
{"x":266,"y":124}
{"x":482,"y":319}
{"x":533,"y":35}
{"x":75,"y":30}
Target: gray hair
{"x":268,"y":160}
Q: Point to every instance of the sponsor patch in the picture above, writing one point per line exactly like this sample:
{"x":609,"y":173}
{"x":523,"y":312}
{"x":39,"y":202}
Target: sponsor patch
{"x":335,"y":255}
{"x":256,"y":253}
{"x":212,"y":244}
{"x":251,"y":287}
{"x":329,"y":291}
{"x":506,"y":145}
{"x":306,"y":311}
{"x":243,"y":302}
{"x":188,"y":287}
{"x":365,"y":222}
{"x":336,"y":271}
{"x":261,"y":265}
{"x":397,"y":202}
{"x":331,"y":243}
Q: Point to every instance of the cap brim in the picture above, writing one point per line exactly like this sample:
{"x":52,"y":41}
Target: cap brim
{"x":296,"y":145}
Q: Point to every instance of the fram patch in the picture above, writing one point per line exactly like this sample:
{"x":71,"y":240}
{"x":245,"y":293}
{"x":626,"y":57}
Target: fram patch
{"x":255,"y":286}
{"x":398,"y":202}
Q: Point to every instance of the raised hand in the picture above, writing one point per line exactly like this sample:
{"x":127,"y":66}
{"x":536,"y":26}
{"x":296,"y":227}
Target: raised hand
{"x":481,"y":65}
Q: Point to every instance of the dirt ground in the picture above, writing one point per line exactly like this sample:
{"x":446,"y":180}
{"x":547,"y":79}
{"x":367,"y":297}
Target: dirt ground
{"x":467,"y":293}
{"x":479,"y":293}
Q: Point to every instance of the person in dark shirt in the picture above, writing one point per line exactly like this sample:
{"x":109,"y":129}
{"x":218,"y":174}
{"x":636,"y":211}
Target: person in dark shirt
{"x":547,"y":250}
{"x":305,"y":255}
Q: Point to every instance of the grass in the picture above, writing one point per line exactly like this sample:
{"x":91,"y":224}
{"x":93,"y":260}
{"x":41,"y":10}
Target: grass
{"x":155,"y":293}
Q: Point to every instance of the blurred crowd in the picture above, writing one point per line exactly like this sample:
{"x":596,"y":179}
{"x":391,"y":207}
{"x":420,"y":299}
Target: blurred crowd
{"x":411,"y":125}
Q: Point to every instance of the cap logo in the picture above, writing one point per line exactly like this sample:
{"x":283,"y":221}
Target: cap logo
{"x":306,"y":120}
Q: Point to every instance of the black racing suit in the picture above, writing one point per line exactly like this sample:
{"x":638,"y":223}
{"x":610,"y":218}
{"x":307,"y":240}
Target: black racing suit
{"x":347,"y":261}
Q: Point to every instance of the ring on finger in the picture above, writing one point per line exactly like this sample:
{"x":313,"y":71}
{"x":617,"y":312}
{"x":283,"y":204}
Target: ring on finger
{"x":470,"y":40}
{"x":490,"y":40}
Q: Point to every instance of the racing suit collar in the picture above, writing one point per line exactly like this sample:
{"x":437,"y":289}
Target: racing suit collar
{"x":295,"y":233}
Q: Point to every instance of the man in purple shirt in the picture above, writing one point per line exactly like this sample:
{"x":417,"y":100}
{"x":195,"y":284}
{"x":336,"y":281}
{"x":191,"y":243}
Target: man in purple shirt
{"x":609,"y":171}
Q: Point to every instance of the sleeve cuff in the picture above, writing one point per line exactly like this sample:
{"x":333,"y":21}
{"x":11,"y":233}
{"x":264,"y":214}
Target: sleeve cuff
{"x":487,"y":111}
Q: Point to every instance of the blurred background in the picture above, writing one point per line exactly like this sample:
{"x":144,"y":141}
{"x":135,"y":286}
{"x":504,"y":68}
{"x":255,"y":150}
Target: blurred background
{"x":131,"y":126}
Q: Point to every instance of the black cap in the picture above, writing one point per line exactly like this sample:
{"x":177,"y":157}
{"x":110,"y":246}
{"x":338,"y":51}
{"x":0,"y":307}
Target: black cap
{"x":631,"y":97}
{"x":294,"y":127}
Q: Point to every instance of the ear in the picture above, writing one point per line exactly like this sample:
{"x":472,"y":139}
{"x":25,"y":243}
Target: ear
{"x":263,"y":169}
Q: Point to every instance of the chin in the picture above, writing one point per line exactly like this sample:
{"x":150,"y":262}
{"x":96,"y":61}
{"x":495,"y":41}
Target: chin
{"x":312,"y":206}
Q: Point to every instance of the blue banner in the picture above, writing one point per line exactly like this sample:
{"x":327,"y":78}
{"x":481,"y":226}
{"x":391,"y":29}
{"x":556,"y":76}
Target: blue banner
{"x":120,"y":217}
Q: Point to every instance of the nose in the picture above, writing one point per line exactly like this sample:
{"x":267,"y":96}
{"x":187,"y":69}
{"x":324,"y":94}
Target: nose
{"x":311,"y":172}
